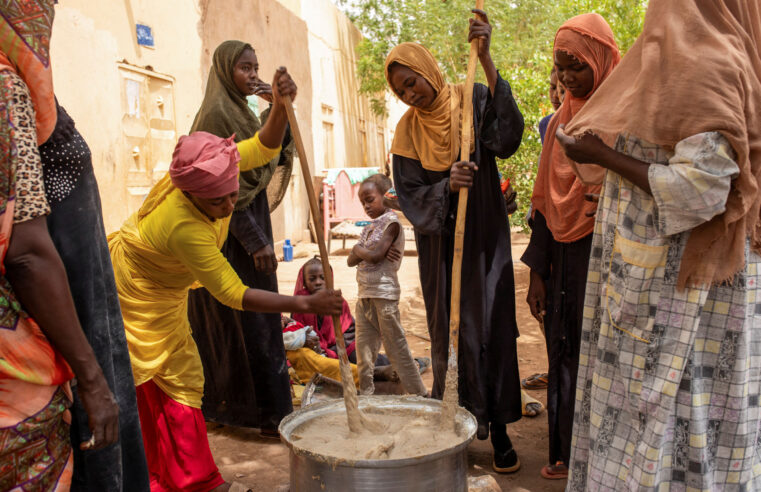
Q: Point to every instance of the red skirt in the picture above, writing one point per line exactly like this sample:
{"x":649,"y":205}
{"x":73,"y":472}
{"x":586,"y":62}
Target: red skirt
{"x":176,"y":446}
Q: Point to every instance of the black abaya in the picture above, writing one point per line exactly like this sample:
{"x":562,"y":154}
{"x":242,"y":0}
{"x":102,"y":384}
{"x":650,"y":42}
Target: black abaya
{"x":243,"y":354}
{"x":76,"y":227}
{"x":489,"y":384}
{"x":564,"y":266}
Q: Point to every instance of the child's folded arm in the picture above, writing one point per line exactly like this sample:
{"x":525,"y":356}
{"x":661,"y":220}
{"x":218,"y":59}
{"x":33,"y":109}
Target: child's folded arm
{"x":377,"y":253}
{"x":353,"y":259}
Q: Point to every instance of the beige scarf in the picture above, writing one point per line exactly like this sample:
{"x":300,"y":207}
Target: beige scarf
{"x":695,"y":68}
{"x":431,"y":136}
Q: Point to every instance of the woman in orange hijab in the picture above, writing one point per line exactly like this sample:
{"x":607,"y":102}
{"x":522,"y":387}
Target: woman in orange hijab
{"x":585,"y":54}
{"x":669,"y":374}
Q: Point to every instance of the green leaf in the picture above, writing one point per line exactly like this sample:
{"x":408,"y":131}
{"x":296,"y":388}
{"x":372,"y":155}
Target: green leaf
{"x":521,"y":46}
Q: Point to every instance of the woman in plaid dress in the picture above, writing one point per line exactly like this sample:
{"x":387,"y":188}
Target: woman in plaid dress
{"x":670,"y":364}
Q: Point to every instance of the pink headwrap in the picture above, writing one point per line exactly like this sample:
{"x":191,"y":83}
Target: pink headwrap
{"x":205,"y":165}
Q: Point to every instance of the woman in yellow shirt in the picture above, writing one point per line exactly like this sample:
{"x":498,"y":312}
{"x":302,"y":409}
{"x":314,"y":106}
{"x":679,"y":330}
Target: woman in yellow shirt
{"x":170,"y":245}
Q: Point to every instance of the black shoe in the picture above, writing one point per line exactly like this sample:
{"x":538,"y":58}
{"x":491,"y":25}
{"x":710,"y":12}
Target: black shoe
{"x":482,"y":432}
{"x":269,"y":433}
{"x":506,"y":462}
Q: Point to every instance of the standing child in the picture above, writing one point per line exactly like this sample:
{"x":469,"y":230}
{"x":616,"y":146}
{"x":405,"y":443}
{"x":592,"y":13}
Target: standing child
{"x":378,"y":256}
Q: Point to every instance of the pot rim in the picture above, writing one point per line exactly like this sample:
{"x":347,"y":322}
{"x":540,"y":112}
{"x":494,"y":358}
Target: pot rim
{"x":293,"y":420}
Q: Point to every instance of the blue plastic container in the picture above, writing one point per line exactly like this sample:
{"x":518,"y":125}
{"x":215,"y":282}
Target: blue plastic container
{"x":287,"y":251}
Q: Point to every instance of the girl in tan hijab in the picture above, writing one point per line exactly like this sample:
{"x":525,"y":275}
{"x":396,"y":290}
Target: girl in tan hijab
{"x":427,"y":179}
{"x":669,"y":375}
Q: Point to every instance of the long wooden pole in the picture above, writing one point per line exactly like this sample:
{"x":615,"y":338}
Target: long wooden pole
{"x":451,"y":394}
{"x":356,"y":419}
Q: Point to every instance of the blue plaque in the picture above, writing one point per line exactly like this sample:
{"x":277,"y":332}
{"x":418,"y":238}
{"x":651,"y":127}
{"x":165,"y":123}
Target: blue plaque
{"x":144,"y":35}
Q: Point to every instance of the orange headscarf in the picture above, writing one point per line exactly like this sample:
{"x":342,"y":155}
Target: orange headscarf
{"x":25,"y":29}
{"x":558,"y":192}
{"x":695,"y":68}
{"x":431,"y":136}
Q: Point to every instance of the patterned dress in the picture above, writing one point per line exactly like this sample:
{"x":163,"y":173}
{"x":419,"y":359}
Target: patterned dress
{"x":35,"y":450}
{"x":668,"y":385}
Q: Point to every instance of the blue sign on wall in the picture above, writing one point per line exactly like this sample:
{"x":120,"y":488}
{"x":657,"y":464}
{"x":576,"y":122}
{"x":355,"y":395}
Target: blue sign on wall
{"x":144,"y":35}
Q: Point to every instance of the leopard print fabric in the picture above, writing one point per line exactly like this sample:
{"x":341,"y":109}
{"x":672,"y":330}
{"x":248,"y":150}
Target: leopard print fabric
{"x":30,"y":189}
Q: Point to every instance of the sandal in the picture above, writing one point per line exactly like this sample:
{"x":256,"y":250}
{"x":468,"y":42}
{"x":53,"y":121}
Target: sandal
{"x":530,"y":406}
{"x":535,"y":381}
{"x":424,"y":363}
{"x":506,"y":462}
{"x":558,"y":471}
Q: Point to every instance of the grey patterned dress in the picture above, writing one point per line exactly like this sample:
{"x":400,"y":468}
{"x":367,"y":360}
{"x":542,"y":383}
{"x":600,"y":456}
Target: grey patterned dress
{"x":668,"y":384}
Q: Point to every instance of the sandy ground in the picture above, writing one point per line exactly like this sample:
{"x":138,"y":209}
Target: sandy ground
{"x":262,"y":464}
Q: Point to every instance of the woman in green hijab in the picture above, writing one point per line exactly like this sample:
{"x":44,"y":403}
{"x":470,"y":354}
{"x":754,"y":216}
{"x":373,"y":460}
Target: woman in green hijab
{"x":243,"y":355}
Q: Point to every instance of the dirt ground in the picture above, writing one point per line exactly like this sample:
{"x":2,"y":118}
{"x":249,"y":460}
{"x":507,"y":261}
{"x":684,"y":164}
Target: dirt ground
{"x":262,"y":464}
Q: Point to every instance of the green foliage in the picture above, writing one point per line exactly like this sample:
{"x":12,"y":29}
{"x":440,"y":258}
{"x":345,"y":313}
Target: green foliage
{"x":521,"y":46}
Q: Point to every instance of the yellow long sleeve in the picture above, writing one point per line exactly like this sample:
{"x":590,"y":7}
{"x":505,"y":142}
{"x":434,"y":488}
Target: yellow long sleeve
{"x":195,"y":245}
{"x":178,"y":230}
{"x":254,"y":154}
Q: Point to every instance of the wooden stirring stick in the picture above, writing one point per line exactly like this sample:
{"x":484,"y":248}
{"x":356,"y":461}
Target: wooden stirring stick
{"x":357,"y":421}
{"x":451,"y":394}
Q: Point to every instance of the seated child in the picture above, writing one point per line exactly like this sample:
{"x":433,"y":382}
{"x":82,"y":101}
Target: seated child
{"x":307,"y":358}
{"x":311,"y":279}
{"x":378,"y":256}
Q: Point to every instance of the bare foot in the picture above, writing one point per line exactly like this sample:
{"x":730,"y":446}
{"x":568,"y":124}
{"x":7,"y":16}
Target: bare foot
{"x":385,"y":373}
{"x":222,"y":488}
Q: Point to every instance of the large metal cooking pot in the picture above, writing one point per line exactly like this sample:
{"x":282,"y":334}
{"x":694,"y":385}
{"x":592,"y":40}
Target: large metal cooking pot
{"x":442,"y":471}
